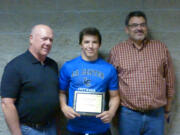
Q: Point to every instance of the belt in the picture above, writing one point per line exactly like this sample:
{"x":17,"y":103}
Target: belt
{"x":140,"y":110}
{"x":149,"y":111}
{"x":145,"y":111}
{"x":36,"y":125}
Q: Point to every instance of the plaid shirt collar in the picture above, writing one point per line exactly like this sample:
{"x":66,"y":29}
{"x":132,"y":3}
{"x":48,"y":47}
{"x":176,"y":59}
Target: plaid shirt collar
{"x":131,"y":43}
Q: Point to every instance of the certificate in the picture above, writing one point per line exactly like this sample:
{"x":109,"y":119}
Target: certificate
{"x":89,"y":103}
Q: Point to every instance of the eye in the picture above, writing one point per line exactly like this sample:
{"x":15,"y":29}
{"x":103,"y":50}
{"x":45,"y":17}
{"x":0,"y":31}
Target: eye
{"x":143,"y":24}
{"x":134,"y":25}
{"x":51,"y":39}
{"x":95,"y":42}
{"x":86,"y":41}
{"x":46,"y":38}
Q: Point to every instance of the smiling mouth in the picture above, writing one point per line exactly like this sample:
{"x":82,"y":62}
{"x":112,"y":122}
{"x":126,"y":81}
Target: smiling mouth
{"x":90,"y":51}
{"x":46,"y":49}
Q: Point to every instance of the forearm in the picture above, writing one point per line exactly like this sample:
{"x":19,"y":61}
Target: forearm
{"x":114,"y":104}
{"x":67,"y":110}
{"x":63,"y":99}
{"x":11,"y":117}
{"x":168,"y":105}
{"x":107,"y":116}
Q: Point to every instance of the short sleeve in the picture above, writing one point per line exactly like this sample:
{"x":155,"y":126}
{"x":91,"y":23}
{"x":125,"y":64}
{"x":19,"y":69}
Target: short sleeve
{"x":10,"y":83}
{"x":113,"y":84}
{"x":64,"y":78}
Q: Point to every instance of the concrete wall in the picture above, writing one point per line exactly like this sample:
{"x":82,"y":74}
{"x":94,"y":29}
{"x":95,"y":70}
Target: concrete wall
{"x":68,"y":17}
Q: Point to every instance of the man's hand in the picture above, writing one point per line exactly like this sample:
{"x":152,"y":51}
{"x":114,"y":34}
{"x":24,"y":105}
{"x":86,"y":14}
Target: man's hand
{"x":106,"y":116}
{"x":167,"y":117}
{"x":69,"y":112}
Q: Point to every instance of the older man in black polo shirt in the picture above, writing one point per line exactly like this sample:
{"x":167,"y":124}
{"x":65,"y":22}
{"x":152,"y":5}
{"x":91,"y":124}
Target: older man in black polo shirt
{"x":29,"y":87}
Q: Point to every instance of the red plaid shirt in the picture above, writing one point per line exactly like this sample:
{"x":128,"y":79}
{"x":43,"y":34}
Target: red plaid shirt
{"x":146,"y":76}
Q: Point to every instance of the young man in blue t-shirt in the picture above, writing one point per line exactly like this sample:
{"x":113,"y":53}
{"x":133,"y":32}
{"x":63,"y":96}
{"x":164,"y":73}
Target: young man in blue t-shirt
{"x":88,"y":75}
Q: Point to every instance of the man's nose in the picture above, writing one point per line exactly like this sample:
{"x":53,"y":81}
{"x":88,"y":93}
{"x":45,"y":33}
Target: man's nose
{"x":90,"y":45}
{"x":139,"y":27}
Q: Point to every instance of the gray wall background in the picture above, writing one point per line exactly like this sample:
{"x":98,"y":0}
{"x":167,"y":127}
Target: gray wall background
{"x":68,"y":17}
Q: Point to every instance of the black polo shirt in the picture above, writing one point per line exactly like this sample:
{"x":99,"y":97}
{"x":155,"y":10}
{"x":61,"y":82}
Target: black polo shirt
{"x":35,"y":87}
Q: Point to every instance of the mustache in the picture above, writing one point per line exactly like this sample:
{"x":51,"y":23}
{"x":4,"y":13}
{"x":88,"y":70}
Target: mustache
{"x":139,"y":31}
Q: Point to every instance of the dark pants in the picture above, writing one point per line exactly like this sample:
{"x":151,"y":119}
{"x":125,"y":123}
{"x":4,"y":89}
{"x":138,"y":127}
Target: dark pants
{"x":105,"y":133}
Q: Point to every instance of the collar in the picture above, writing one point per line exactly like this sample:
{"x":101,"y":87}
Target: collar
{"x":93,"y":61}
{"x":131,"y":43}
{"x":33,"y":60}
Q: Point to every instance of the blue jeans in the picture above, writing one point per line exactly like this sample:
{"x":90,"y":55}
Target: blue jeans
{"x":141,"y":123}
{"x":49,"y":129}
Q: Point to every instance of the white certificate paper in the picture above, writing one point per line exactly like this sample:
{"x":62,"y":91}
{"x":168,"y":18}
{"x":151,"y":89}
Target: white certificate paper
{"x":89,"y":103}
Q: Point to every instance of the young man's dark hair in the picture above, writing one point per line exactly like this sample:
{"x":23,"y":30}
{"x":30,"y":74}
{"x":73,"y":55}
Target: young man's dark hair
{"x":89,"y":31}
{"x":135,"y":14}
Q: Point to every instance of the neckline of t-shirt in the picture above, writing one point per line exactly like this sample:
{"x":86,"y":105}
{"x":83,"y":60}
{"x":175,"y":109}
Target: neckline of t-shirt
{"x":89,"y":61}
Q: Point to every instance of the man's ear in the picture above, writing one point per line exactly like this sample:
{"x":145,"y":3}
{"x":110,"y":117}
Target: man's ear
{"x":30,"y":39}
{"x":126,"y":30}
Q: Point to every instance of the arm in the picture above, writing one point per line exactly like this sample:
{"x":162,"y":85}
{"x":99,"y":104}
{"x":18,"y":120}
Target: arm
{"x":107,"y":116}
{"x":170,"y":78}
{"x":11,"y":115}
{"x":67,"y":110}
{"x":168,"y":107}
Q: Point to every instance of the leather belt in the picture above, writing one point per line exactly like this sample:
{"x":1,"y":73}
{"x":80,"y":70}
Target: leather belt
{"x":36,"y":125}
{"x":145,"y":111}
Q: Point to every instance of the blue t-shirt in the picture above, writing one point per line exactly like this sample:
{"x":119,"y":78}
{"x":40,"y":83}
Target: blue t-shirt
{"x":87,"y":76}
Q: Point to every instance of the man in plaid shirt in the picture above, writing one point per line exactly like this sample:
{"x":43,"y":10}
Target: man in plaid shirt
{"x":146,"y":79}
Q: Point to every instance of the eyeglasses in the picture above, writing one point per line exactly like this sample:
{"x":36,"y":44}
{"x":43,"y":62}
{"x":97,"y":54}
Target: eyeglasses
{"x":135,"y":25}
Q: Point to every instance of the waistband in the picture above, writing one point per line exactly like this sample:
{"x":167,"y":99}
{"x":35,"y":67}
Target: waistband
{"x":36,"y":125}
{"x":145,"y":111}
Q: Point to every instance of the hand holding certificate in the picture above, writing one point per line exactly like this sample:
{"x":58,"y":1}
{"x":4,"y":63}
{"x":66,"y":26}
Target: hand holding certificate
{"x":89,"y":103}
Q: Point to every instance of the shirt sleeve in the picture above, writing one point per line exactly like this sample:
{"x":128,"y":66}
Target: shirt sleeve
{"x":112,"y":59}
{"x":169,"y":75}
{"x":64,"y":78}
{"x":113,"y":84}
{"x":10,"y":83}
